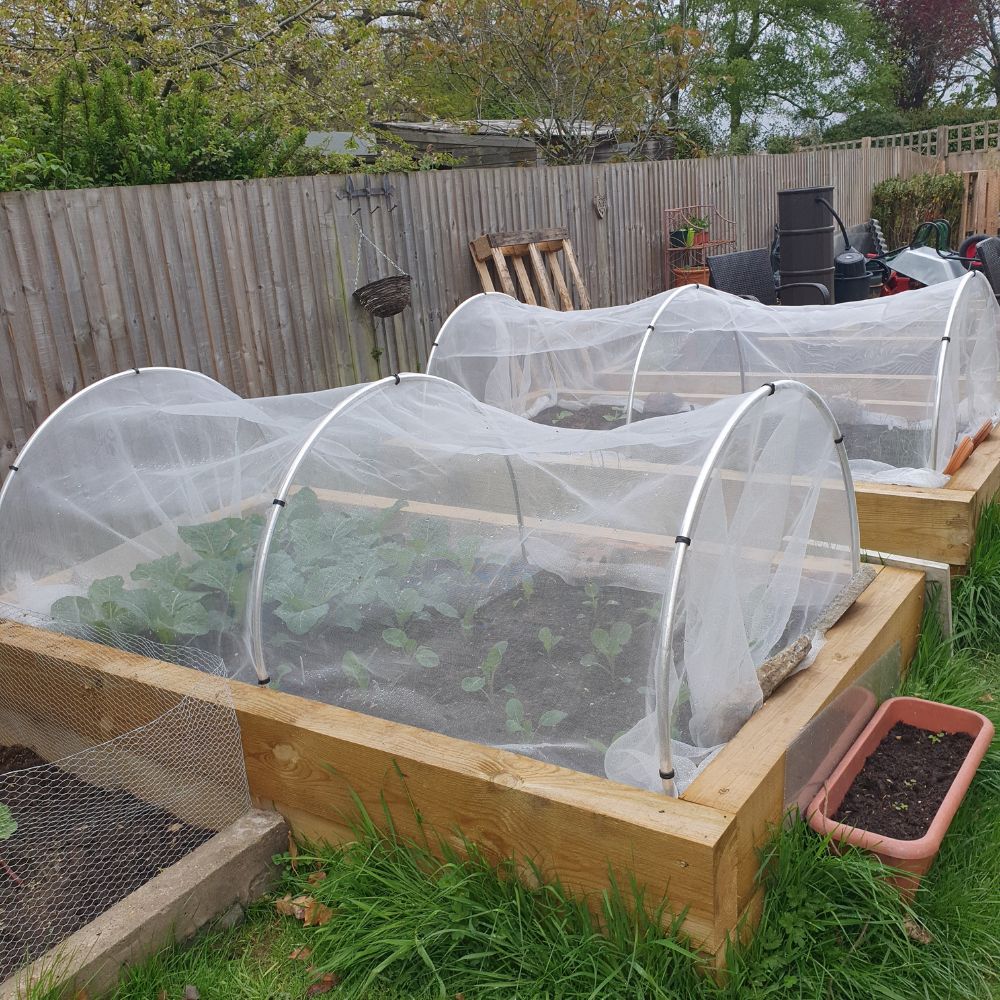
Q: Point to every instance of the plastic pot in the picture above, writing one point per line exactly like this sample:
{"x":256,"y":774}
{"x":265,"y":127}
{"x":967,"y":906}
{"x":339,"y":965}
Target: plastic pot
{"x":911,"y":856}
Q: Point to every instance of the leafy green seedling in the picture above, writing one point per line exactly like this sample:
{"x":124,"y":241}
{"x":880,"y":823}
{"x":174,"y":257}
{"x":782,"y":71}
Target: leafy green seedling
{"x":935,"y":737}
{"x":487,"y":671}
{"x":561,"y":416}
{"x":549,"y":640}
{"x":423,"y":655}
{"x":592,"y":593}
{"x":355,"y":668}
{"x":527,"y":591}
{"x":609,"y":644}
{"x":616,"y":414}
{"x":519,"y":724}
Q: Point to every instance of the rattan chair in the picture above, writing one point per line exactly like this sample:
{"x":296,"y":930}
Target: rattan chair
{"x":748,"y":273}
{"x":988,"y":252}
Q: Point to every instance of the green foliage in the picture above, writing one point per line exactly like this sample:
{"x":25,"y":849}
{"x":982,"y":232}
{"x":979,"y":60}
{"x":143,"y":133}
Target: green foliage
{"x":114,"y":126}
{"x":549,"y":640}
{"x":8,"y":825}
{"x":464,"y":926}
{"x":484,"y":681}
{"x":901,"y":205}
{"x":609,"y":644}
{"x":976,"y":596}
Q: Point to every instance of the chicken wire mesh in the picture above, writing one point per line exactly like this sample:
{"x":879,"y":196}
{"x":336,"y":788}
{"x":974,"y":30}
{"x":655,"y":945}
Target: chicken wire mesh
{"x":906,"y":376}
{"x":103,"y":783}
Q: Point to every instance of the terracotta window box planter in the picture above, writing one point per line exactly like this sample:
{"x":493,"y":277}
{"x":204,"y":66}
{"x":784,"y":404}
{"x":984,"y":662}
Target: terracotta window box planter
{"x":911,"y":856}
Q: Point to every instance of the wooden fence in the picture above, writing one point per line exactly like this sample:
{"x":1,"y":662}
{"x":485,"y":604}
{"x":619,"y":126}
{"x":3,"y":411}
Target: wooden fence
{"x":250,"y":282}
{"x":942,"y":141}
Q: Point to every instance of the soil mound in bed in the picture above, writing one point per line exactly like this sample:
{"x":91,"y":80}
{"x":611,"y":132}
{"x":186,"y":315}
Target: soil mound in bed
{"x":78,"y":849}
{"x":902,"y":784}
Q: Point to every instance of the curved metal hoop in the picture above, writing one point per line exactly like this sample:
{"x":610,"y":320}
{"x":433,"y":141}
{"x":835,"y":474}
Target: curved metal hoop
{"x":255,"y":592}
{"x":56,"y":415}
{"x":942,"y":362}
{"x":636,"y":368}
{"x":664,"y":654}
{"x":447,"y":323}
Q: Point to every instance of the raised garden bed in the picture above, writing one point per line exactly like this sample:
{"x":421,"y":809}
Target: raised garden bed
{"x":308,"y":759}
{"x":99,"y":794}
{"x":49,"y":896}
{"x":933,"y":523}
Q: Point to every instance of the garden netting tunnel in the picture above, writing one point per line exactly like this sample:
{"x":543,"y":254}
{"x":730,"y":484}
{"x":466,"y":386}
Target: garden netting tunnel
{"x":907,"y":376}
{"x":613,"y":602}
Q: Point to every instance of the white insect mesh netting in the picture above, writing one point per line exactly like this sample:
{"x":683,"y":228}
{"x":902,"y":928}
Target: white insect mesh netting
{"x":102,"y":788}
{"x":440,"y":562}
{"x":875,"y":362}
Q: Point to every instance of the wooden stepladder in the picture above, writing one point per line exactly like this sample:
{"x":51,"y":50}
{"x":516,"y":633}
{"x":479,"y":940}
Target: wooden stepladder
{"x":545,"y":284}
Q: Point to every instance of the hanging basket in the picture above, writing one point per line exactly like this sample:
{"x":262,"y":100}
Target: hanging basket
{"x":385,"y":297}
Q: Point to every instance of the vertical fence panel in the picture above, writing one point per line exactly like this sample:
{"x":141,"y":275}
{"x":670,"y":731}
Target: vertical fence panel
{"x":251,"y":281}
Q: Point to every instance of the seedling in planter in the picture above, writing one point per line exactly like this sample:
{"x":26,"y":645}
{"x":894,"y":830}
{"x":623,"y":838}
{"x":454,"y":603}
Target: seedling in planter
{"x":900,"y":806}
{"x":561,"y":416}
{"x":592,"y":592}
{"x":617,"y":413}
{"x":549,"y":640}
{"x":355,"y":668}
{"x":487,"y":671}
{"x":519,"y":724}
{"x":935,"y":737}
{"x":609,"y":644}
{"x":423,"y":655}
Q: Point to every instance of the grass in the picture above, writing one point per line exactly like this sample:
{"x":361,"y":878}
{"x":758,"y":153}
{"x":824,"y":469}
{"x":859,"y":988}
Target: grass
{"x":406,"y":925}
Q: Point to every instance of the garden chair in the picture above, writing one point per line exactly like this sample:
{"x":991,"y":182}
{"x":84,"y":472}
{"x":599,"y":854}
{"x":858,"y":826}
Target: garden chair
{"x":988,"y":252}
{"x":748,"y":273}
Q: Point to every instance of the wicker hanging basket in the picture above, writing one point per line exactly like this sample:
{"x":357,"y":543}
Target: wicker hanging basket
{"x":385,"y":297}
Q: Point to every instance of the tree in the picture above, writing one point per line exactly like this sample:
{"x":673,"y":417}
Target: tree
{"x":982,"y":62}
{"x":311,"y":62}
{"x":926,"y":41}
{"x":566,"y":71}
{"x":799,"y":57}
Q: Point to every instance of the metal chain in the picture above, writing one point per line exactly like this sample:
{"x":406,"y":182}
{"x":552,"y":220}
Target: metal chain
{"x":364,"y":239}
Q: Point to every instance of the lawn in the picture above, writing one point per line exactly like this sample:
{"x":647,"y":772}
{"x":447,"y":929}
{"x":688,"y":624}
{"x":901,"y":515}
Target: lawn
{"x":385,"y":920}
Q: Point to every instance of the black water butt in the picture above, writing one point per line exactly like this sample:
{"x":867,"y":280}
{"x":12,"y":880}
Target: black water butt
{"x":805,"y":228}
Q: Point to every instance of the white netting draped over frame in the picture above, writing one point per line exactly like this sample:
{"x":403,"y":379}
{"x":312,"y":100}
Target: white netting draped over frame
{"x":902,"y":393}
{"x":407,"y":551}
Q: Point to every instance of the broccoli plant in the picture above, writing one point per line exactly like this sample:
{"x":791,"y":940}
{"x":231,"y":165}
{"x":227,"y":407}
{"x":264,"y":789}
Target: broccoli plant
{"x":168,"y":612}
{"x":519,"y":724}
{"x":549,"y":640}
{"x":609,"y":644}
{"x":484,"y":680}
{"x":8,"y":825}
{"x":356,"y":669}
{"x":423,"y":655}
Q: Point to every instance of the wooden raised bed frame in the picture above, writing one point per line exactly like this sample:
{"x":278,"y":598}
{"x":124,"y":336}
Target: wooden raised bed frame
{"x":305,"y":758}
{"x":934,"y":524}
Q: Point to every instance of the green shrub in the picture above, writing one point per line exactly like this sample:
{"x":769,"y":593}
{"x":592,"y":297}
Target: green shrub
{"x":901,"y":205}
{"x":115,"y":127}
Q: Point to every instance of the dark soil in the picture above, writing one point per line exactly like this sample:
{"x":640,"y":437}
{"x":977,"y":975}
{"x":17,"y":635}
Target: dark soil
{"x":902,"y":784}
{"x":898,"y":446}
{"x":77,"y":850}
{"x":589,"y":418}
{"x":600,"y":701}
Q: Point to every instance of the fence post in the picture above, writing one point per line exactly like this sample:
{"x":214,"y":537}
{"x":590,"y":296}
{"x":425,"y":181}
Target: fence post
{"x":941,"y":147}
{"x":866,"y":142}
